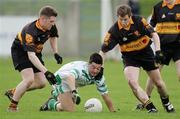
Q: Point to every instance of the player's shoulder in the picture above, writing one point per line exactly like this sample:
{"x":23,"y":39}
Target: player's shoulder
{"x":136,"y":17}
{"x":30,"y":27}
{"x":79,"y":62}
{"x":114,"y":28}
{"x":158,"y":5}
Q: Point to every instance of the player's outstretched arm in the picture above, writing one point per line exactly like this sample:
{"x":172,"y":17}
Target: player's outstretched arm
{"x":108,"y":102}
{"x":53,"y":43}
{"x":36,"y":62}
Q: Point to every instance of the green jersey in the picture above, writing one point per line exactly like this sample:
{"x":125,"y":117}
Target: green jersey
{"x":79,"y":69}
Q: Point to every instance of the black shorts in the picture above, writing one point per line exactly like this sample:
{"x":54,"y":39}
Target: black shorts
{"x":20,"y":58}
{"x":171,"y":51}
{"x":144,"y":59}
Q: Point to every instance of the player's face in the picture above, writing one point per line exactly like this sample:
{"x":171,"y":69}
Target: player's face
{"x":94,"y":69}
{"x":49,"y":22}
{"x":124,"y":21}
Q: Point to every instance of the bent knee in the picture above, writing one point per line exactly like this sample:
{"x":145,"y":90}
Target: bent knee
{"x":29,"y":82}
{"x":41,"y":85}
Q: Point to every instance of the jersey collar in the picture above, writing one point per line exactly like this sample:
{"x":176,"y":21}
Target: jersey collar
{"x":127,"y":28}
{"x":170,"y":6}
{"x":39,"y":26}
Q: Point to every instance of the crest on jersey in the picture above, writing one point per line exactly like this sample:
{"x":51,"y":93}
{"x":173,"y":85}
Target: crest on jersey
{"x":39,"y":39}
{"x":124,"y":39}
{"x":163,"y":16}
{"x":178,"y":16}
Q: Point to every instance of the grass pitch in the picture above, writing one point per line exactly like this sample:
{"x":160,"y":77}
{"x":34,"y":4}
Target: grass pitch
{"x":120,"y":93}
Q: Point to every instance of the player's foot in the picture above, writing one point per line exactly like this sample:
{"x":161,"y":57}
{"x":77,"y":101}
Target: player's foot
{"x":139,"y":106}
{"x":9,"y":93}
{"x":12,"y":108}
{"x":152,"y":110}
{"x":44,"y":107}
{"x":169,"y":107}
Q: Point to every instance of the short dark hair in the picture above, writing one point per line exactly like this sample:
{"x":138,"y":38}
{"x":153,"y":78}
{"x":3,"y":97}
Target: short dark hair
{"x":124,"y":10}
{"x":96,"y":58}
{"x":48,"y":11}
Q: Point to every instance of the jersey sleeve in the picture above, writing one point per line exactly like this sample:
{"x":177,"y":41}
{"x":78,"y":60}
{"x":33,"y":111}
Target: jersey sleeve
{"x":54,"y":31}
{"x":146,"y":27}
{"x":28,"y":43}
{"x":101,"y":86}
{"x":110,"y":41}
{"x":75,"y":73}
{"x":153,"y":20}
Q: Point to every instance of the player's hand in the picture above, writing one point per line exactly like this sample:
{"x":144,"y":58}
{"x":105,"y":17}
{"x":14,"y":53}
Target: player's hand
{"x":76,"y":98}
{"x":159,"y":57}
{"x":99,"y":76}
{"x":117,"y":110}
{"x":50,"y":77}
{"x":58,"y":58}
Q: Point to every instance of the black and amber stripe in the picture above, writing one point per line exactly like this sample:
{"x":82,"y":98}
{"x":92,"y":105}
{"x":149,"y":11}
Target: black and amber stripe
{"x":168,"y":28}
{"x":136,"y":45}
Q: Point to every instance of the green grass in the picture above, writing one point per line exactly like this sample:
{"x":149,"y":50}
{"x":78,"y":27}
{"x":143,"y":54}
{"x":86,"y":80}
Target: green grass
{"x":118,"y":88}
{"x":146,"y":6}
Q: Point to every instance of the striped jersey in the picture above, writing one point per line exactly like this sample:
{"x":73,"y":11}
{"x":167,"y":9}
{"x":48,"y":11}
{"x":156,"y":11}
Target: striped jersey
{"x":166,"y":20}
{"x":79,"y":69}
{"x":132,"y":40}
{"x":33,"y":36}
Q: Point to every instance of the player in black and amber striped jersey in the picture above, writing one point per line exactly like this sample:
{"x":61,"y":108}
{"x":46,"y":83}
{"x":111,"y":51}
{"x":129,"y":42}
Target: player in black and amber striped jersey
{"x":166,"y":20}
{"x":27,"y":58}
{"x":132,"y":34}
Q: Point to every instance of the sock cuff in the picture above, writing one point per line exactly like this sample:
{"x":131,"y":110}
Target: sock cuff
{"x":14,"y":102}
{"x":52,"y":104}
{"x":147,"y":103}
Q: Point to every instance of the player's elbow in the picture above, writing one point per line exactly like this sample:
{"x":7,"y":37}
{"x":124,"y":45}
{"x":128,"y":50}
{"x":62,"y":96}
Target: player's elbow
{"x":31,"y":55}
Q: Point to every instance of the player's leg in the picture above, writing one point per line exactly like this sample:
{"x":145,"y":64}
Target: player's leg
{"x":67,"y":103}
{"x":63,"y":95}
{"x":149,"y":88}
{"x":63,"y":102}
{"x":39,"y":81}
{"x":132,"y":75}
{"x":159,"y":83}
{"x":61,"y":99}
{"x":177,"y":63}
{"x":52,"y":104}
{"x":150,"y":85}
{"x":27,"y":75}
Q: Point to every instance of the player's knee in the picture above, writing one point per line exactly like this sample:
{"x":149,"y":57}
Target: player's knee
{"x":41,"y":85}
{"x":29,"y":82}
